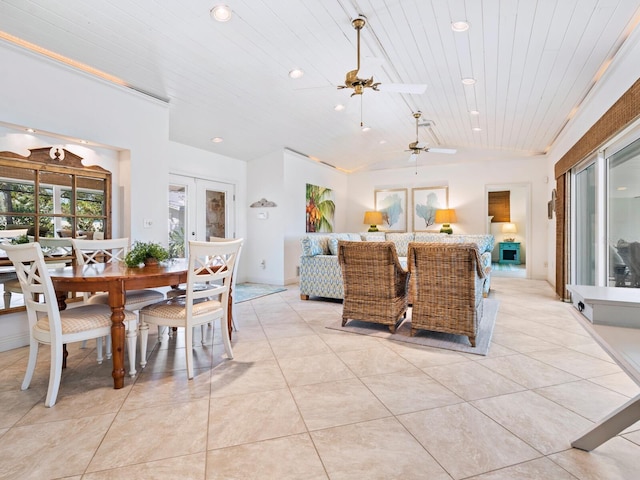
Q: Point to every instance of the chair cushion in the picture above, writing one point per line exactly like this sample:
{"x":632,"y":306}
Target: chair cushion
{"x":136,"y":299}
{"x":174,"y":308}
{"x":181,"y":290}
{"x":83,"y":318}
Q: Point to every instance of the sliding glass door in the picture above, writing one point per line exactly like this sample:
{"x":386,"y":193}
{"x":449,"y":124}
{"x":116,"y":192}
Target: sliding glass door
{"x":624,"y":216}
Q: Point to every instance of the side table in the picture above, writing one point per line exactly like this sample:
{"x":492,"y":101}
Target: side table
{"x":509,"y":252}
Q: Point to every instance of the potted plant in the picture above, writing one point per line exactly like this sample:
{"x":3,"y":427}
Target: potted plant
{"x":149,"y":253}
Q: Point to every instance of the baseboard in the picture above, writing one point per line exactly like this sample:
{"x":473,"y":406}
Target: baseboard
{"x":13,"y":341}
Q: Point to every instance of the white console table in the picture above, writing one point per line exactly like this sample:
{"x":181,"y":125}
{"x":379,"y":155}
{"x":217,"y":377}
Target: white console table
{"x":601,"y":309}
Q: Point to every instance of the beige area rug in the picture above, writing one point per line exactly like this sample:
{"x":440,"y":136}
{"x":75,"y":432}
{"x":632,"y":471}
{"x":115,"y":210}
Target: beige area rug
{"x":447,"y":341}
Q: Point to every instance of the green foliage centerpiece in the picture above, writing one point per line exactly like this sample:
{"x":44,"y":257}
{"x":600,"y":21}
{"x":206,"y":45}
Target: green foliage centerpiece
{"x":149,"y":253}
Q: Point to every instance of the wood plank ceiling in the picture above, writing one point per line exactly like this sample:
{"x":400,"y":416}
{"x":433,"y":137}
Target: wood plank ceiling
{"x":533,"y":60}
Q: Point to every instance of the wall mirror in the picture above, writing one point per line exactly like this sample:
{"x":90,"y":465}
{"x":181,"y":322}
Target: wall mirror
{"x":50,"y":197}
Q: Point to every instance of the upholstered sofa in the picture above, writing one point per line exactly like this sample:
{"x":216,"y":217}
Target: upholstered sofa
{"x":320,"y":274}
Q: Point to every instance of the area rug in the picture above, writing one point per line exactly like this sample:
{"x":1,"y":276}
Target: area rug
{"x":448,"y":341}
{"x":248,"y":291}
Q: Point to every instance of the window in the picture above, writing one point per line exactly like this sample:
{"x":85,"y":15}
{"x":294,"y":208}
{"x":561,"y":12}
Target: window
{"x":624,"y":216}
{"x":500,"y":206}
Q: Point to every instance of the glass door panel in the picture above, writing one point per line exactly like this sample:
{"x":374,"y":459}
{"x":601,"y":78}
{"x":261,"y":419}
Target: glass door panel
{"x":177,"y":220}
{"x":624,"y":216}
{"x":585,"y":226}
{"x":215,"y":214}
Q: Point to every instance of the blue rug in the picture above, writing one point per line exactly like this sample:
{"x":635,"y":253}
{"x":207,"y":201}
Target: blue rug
{"x":248,"y":291}
{"x":448,"y":341}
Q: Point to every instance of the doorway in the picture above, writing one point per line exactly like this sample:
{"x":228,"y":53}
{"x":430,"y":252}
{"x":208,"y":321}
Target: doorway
{"x":509,"y":256}
{"x":199,"y":209}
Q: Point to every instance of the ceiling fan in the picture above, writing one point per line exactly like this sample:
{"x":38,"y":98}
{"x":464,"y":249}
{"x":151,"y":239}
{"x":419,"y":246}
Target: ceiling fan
{"x":359,"y":84}
{"x":416,"y":147}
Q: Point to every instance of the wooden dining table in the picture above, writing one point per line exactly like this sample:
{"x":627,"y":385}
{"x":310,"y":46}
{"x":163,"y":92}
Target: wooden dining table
{"x":116,"y":278}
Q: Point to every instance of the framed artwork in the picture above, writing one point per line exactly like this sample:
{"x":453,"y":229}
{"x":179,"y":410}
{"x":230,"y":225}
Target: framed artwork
{"x":425,"y":202}
{"x":320,"y":209}
{"x":393,"y":205}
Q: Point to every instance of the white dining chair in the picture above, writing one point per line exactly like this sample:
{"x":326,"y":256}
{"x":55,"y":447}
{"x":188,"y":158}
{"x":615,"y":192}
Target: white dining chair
{"x":210,"y":263}
{"x":114,"y":250}
{"x":234,"y":277}
{"x":47,"y":324}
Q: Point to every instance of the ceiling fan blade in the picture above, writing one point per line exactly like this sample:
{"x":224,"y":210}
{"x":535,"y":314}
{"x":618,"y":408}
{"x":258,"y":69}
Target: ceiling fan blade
{"x":442,"y":150}
{"x":416,"y":88}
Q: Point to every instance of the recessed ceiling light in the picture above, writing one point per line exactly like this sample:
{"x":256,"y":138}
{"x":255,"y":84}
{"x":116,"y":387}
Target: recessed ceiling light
{"x":474,"y":112}
{"x":476,"y":129}
{"x":460,"y":26}
{"x":339,"y":107}
{"x":366,"y":129}
{"x":221,"y":13}
{"x":621,"y":188}
{"x":30,"y":130}
{"x":469,"y":81}
{"x":217,"y":139}
{"x":296,"y":73}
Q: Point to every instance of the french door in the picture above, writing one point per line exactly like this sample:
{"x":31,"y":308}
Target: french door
{"x":199,"y":209}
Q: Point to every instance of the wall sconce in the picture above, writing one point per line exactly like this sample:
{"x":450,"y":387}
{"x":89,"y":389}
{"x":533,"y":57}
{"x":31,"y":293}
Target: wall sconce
{"x":373,"y":219}
{"x":509,"y":228}
{"x":446,"y":217}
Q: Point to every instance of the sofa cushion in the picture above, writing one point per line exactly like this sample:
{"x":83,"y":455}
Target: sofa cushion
{"x":430,"y":237}
{"x":333,"y":241}
{"x":373,"y":237}
{"x":485,"y":242}
{"x":401,"y":241}
{"x":315,"y":245}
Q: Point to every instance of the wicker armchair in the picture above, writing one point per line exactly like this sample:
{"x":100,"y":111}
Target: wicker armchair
{"x":375,"y":284}
{"x":449,"y":279}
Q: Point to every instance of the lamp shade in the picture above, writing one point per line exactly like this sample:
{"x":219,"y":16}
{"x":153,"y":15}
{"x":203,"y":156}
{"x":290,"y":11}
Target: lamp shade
{"x":447,"y":215}
{"x":509,"y":228}
{"x":373,"y":218}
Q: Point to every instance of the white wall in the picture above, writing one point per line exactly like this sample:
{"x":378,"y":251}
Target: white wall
{"x":466,"y":182}
{"x":282,"y":177}
{"x":265,"y":179}
{"x":299,"y":171}
{"x":196,"y":163}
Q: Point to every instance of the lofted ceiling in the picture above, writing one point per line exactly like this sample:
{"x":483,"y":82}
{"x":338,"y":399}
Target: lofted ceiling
{"x":534,"y":61}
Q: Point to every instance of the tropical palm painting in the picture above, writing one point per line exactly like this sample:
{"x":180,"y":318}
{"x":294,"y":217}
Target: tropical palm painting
{"x":320,"y":209}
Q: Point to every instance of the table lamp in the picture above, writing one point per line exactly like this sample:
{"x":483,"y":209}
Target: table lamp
{"x":373,"y":219}
{"x":509,"y":228}
{"x":446,"y":217}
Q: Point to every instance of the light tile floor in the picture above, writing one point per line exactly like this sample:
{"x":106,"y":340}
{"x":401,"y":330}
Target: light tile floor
{"x":300,"y":401}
